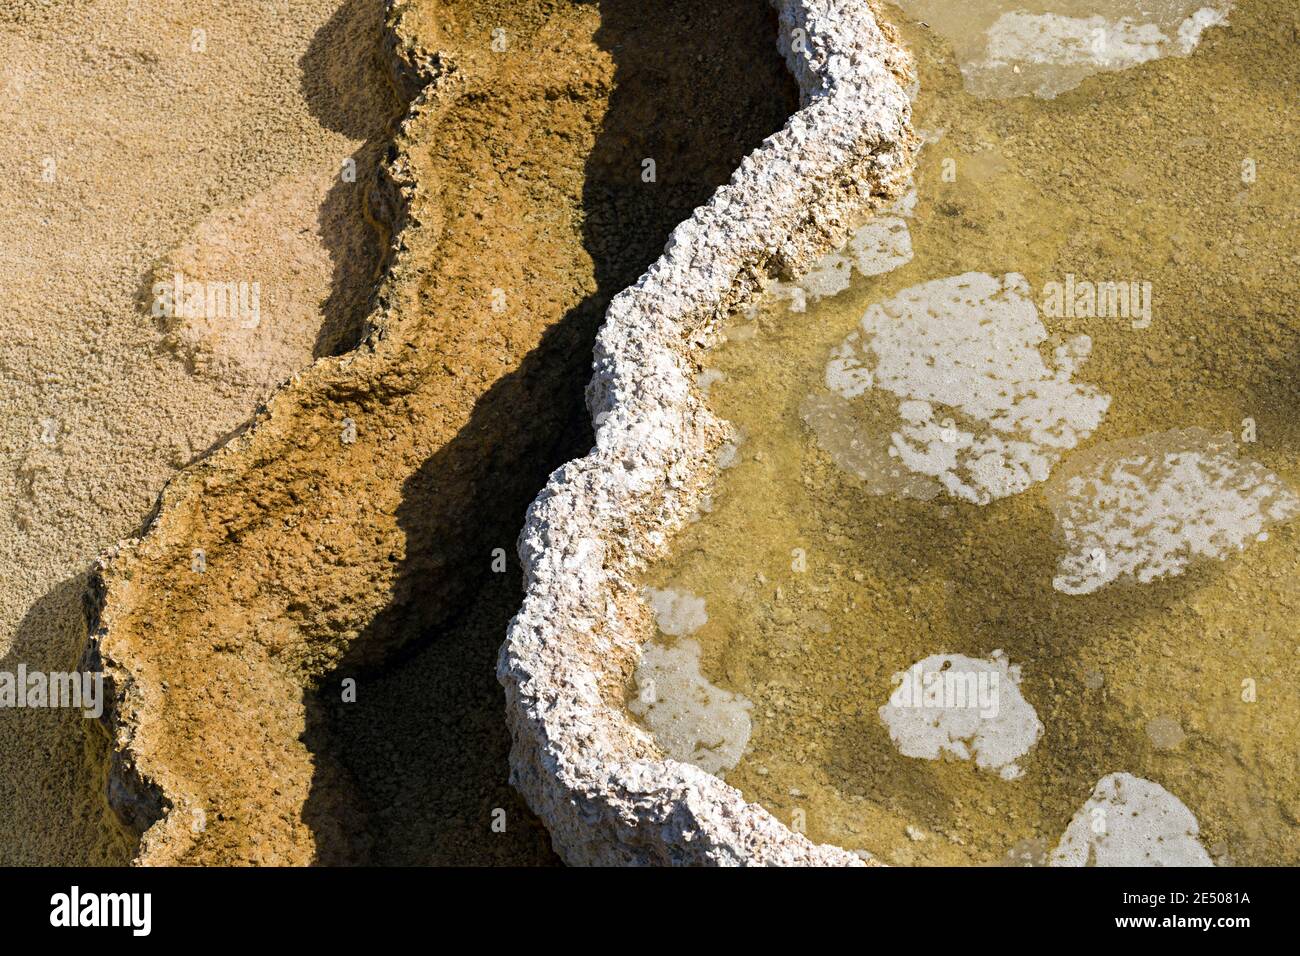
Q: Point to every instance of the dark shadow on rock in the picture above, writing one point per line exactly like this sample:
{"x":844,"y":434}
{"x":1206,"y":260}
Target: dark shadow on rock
{"x":347,"y":87}
{"x":698,"y":85}
{"x":52,"y":767}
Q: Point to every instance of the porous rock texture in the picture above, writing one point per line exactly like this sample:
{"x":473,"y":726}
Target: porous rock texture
{"x":358,"y":512}
{"x":597,"y":780}
{"x":143,"y":140}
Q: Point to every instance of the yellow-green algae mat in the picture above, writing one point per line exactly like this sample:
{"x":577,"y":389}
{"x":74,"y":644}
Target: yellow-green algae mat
{"x":1002,"y":566}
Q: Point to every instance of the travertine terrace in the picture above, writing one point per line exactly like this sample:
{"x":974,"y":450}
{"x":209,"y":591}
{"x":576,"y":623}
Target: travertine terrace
{"x":594,"y":778}
{"x":365,"y":506}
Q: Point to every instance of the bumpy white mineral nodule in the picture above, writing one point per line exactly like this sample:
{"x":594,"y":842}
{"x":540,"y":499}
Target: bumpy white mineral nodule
{"x":944,"y":387}
{"x":1129,"y":821}
{"x":1145,"y":508}
{"x":963,"y":706}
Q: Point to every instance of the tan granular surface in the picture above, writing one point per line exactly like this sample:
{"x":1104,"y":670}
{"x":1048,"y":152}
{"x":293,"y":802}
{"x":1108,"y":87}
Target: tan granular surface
{"x":361,"y":511}
{"x":134,"y":146}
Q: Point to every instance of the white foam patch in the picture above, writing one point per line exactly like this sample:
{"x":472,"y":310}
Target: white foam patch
{"x":707,"y":379}
{"x":944,"y":387}
{"x":1148,"y":507}
{"x":677,"y":612}
{"x":883,"y":244}
{"x":1190,"y":30}
{"x":1129,"y":821}
{"x":690,"y":718}
{"x":969,"y":708}
{"x":1016,"y":52}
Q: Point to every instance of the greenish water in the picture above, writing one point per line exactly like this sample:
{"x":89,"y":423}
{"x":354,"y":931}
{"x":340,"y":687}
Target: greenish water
{"x":1035,"y":430}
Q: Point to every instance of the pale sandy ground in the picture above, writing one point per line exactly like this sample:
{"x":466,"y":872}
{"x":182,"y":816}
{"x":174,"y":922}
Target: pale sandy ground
{"x":133,"y":146}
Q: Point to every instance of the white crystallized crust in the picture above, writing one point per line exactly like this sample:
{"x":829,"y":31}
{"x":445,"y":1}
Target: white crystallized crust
{"x":596,"y":779}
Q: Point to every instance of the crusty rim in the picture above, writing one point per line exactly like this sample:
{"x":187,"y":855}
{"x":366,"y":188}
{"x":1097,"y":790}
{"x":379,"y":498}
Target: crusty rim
{"x":596,"y":779}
